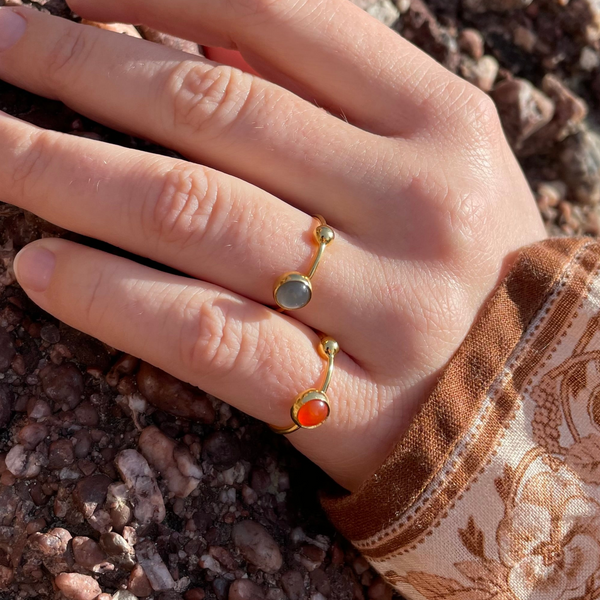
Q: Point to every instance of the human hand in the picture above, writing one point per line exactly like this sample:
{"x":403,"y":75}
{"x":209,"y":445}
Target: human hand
{"x":426,"y":198}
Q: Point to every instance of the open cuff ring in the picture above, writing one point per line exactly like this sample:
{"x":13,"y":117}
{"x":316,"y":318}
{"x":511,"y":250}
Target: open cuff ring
{"x":294,"y":290}
{"x":311,"y":408}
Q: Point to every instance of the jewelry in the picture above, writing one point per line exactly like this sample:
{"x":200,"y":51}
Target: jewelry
{"x":294,"y":290}
{"x":311,"y":408}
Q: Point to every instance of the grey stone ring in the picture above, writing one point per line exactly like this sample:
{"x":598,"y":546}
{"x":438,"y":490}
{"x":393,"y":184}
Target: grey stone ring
{"x":294,"y":290}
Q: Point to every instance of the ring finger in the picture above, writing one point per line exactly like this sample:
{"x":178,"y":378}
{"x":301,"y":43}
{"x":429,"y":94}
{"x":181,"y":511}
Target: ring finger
{"x":231,"y":347}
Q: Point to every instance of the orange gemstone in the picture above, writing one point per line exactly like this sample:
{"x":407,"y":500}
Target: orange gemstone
{"x":313,"y":413}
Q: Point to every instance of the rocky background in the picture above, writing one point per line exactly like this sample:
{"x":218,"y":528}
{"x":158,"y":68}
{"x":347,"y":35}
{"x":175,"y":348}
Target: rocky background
{"x":118,"y":481}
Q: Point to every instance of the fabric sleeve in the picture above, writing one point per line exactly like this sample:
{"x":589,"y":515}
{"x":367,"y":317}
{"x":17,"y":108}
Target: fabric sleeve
{"x":494,"y":491}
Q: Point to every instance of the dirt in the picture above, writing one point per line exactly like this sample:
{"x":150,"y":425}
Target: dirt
{"x":117,"y":478}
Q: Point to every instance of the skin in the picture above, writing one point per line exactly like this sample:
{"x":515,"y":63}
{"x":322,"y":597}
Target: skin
{"x":406,"y":161}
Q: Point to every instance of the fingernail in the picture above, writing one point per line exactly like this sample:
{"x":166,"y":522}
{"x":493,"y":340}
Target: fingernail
{"x":33,"y":267}
{"x":12,"y":27}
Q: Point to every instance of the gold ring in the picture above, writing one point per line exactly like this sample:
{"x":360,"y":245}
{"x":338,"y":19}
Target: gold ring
{"x":294,"y":290}
{"x":311,"y":408}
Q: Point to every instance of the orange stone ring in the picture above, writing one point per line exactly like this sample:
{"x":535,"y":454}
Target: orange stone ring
{"x":311,"y":408}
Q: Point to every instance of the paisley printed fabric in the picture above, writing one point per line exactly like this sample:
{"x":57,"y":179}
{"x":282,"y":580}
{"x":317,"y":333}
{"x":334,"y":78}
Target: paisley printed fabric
{"x":494,"y":492}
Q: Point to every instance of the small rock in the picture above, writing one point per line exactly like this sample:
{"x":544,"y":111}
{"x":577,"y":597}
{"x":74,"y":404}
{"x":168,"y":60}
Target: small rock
{"x":523,"y":110}
{"x":525,"y":38}
{"x":482,"y":73}
{"x":382,"y":10}
{"x":195,"y":594}
{"x":90,"y":493}
{"x":138,"y":583}
{"x":175,"y":464}
{"x":122,"y":28}
{"x":155,"y":569}
{"x":580,"y":162}
{"x":52,"y":549}
{"x":257,"y":546}
{"x":380,"y":590}
{"x":23,"y":464}
{"x":589,"y":60}
{"x":63,"y":384}
{"x":87,"y":553}
{"x":480,"y":6}
{"x":146,"y":497}
{"x":38,"y":409}
{"x":60,"y":454}
{"x":124,"y":595}
{"x":471,"y":42}
{"x":221,"y":449}
{"x":7,"y":350}
{"x":174,"y":396}
{"x":293,"y":585}
{"x":244,"y":589}
{"x":31,"y":435}
{"x":87,"y":415}
{"x":50,"y":333}
{"x":77,"y":587}
{"x":170,"y":41}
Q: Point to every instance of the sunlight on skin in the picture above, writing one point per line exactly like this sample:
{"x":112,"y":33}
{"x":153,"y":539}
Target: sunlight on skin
{"x":228,"y":57}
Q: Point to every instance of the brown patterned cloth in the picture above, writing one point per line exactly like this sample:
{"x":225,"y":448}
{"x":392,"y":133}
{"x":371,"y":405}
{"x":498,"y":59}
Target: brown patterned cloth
{"x":494,"y":492}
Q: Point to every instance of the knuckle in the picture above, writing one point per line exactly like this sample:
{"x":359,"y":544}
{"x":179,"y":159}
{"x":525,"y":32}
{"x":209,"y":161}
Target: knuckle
{"x":208,"y":99}
{"x":481,"y":114}
{"x":190,"y":208}
{"x":34,"y":161}
{"x":68,"y":53}
{"x":222,"y":344}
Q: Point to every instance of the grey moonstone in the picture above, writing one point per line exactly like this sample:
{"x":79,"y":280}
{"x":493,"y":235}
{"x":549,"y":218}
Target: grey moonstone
{"x":293,"y":295}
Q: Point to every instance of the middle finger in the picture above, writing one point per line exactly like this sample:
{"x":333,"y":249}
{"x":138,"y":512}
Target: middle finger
{"x":199,"y":221}
{"x":233,"y":121}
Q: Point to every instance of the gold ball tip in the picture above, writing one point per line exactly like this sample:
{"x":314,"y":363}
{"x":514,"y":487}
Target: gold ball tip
{"x":330,"y":347}
{"x":324,"y":234}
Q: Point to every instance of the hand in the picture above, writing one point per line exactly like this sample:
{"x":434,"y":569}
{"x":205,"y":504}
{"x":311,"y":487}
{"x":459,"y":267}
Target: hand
{"x":415,"y":176}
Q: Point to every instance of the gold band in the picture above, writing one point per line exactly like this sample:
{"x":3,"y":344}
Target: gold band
{"x":294,"y":290}
{"x":311,"y":408}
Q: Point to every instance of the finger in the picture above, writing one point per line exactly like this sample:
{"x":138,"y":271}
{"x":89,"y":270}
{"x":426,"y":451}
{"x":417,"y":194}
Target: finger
{"x":235,"y":349}
{"x":192,"y":218}
{"x":348,"y":60}
{"x":217,"y":115}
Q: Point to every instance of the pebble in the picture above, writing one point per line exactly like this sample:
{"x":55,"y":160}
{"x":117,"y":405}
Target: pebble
{"x":124,"y":595}
{"x":482,"y":73}
{"x":175,"y":464}
{"x":6,"y":405}
{"x":481,"y":6}
{"x":471,"y":42}
{"x":122,"y":28}
{"x":170,"y":41}
{"x":580,"y":162}
{"x":87,"y":553}
{"x":52,"y":549}
{"x":38,"y":409}
{"x":90,"y":493}
{"x":77,"y":587}
{"x":63,"y":384}
{"x":87,"y":415}
{"x":380,"y":590}
{"x":523,"y":110}
{"x":155,"y":569}
{"x":60,"y":454}
{"x":7,"y":350}
{"x":293,"y":585}
{"x":173,"y":396}
{"x":138,"y":584}
{"x":244,"y":589}
{"x":50,"y":333}
{"x":221,"y":449}
{"x":23,"y":464}
{"x":383,"y":10}
{"x":257,"y":546}
{"x":32,"y":434}
{"x":195,"y":594}
{"x":146,"y":497}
